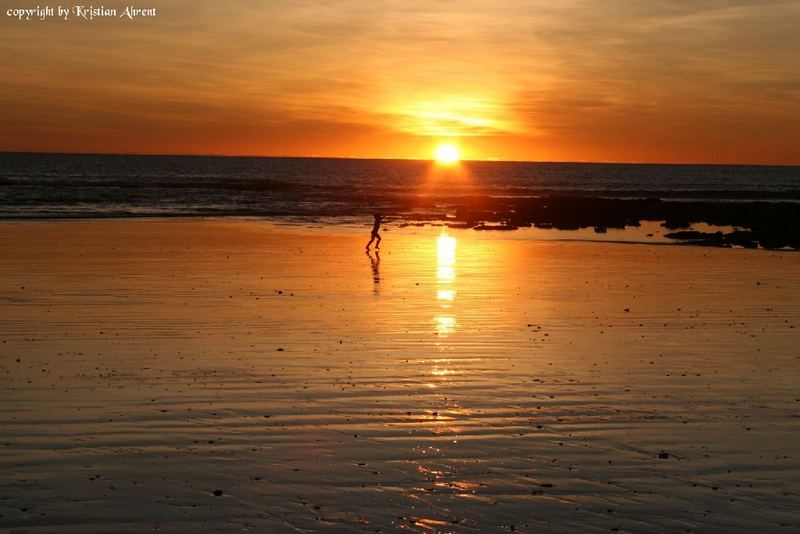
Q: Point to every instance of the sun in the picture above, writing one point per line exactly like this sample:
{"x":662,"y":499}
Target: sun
{"x":447,"y":153}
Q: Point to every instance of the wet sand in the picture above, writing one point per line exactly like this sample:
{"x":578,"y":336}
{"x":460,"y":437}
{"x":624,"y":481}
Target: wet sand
{"x":230,"y":375}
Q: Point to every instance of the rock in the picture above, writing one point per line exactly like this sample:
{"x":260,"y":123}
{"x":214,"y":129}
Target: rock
{"x":774,"y":224}
{"x":692,"y":234}
{"x":674,"y":224}
{"x":741,"y":238}
{"x":501,"y":227}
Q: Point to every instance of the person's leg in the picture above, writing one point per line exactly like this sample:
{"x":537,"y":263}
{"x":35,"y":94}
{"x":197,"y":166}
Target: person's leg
{"x":378,"y":243}
{"x":371,"y":239}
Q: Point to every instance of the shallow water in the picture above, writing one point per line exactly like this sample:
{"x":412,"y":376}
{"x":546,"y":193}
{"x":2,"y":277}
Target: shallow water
{"x":450,"y":385}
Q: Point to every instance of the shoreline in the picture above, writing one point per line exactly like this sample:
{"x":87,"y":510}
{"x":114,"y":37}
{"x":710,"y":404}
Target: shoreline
{"x":646,"y":233}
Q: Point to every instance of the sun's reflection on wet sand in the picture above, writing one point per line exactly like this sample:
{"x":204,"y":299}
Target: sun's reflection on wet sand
{"x":445,"y":295}
{"x":445,"y":279}
{"x":445,"y":258}
{"x":445,"y":420}
{"x":445,"y":324}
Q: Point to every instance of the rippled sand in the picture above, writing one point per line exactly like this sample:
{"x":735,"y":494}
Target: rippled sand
{"x":476,"y":382}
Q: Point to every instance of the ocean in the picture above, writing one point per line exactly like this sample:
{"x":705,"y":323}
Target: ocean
{"x":96,"y":186}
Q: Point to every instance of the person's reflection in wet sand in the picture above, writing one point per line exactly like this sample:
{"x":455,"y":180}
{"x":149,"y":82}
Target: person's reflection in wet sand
{"x":375,"y":263}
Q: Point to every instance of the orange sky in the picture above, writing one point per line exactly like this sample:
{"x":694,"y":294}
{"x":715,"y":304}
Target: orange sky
{"x":567,"y":80}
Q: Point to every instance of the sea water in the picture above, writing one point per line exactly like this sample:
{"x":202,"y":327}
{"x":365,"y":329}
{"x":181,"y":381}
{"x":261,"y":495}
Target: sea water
{"x":83,"y":185}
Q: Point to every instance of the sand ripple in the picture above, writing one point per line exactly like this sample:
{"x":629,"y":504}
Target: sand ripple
{"x":556,"y":387}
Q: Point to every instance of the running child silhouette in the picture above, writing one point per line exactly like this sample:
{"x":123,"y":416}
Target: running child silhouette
{"x":375,"y":235}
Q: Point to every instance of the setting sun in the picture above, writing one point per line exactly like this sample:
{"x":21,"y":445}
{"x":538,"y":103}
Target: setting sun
{"x":447,"y":153}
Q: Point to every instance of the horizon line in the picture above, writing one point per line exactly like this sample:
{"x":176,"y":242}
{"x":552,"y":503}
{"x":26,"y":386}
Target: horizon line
{"x":379,"y":158}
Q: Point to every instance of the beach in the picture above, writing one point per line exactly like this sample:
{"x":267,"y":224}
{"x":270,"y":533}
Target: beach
{"x":232,"y":374}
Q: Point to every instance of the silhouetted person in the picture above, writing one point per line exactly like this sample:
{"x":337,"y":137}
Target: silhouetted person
{"x":375,"y":235}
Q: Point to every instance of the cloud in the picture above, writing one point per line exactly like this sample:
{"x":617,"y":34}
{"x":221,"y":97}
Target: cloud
{"x":530,"y":75}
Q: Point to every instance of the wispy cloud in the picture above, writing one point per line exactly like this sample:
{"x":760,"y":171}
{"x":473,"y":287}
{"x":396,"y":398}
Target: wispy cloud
{"x":576,"y":79}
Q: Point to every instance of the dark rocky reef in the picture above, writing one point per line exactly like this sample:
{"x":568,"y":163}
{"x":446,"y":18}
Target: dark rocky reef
{"x":770,"y":225}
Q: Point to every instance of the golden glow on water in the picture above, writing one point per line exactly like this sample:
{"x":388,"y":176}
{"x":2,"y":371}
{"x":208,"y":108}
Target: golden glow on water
{"x":447,"y":170}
